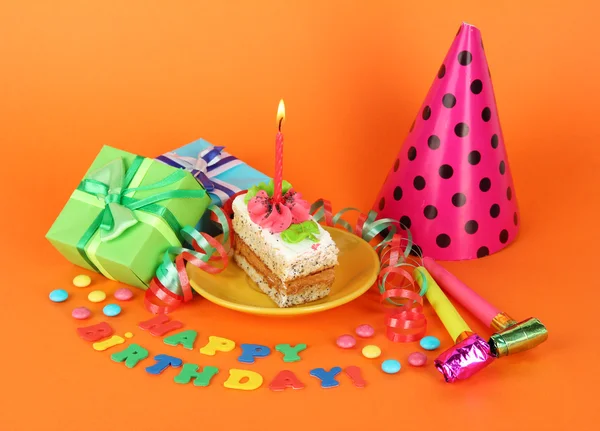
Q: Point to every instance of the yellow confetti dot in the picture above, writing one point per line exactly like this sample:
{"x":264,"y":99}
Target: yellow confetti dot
{"x":128,"y":335}
{"x":97,"y":296}
{"x":82,"y":281}
{"x":371,"y":351}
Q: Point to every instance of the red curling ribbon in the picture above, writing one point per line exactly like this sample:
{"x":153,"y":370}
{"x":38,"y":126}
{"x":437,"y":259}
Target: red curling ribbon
{"x":405,"y":322}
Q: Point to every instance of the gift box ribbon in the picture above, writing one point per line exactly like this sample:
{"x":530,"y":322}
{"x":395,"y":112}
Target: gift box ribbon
{"x":209,"y":164}
{"x":109,"y":187}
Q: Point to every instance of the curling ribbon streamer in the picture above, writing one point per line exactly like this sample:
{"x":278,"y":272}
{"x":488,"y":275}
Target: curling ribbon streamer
{"x":171,"y":284}
{"x":404,"y":324}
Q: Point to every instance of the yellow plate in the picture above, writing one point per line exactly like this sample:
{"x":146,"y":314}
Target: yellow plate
{"x":233,"y":289}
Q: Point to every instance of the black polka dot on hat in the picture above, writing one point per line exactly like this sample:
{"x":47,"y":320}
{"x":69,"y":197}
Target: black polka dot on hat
{"x":465,"y":58}
{"x":381,"y":204}
{"x":412,"y":153}
{"x":502,"y":167}
{"x":419,"y":182}
{"x":486,"y":114}
{"x":405,"y":222}
{"x":515,"y":219}
{"x":434,"y":142}
{"x":483,"y":251}
{"x":426,"y":113}
{"x":430,"y":212}
{"x":446,"y":171}
{"x":489,"y":72}
{"x":398,"y":193}
{"x":474,"y":157}
{"x":476,"y":86}
{"x":508,"y":193}
{"x":471,"y":227}
{"x":494,"y":141}
{"x":442,"y":240}
{"x":458,"y":32}
{"x":485,"y":184}
{"x":482,"y":44}
{"x":396,"y":165}
{"x":461,"y":130}
{"x":495,"y":210}
{"x":459,"y":199}
{"x":449,"y":100}
{"x":442,"y":71}
{"x":503,"y":236}
{"x":415,"y":250}
{"x":412,"y":126}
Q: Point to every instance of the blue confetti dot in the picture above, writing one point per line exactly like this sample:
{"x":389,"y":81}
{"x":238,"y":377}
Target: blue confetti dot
{"x":58,"y":295}
{"x":429,"y":343}
{"x":390,"y":366}
{"x":111,"y":310}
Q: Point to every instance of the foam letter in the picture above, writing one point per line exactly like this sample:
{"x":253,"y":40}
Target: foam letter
{"x":162,"y":363}
{"x":95,"y":332}
{"x":133,"y":354}
{"x":160,"y":325}
{"x":251,"y":351}
{"x":285,"y":379}
{"x":190,"y":371}
{"x":217,"y":344}
{"x":290,"y":354}
{"x":107,"y":344}
{"x":327,"y":377}
{"x":354,"y":373}
{"x":185,"y":338}
{"x":234,"y":381}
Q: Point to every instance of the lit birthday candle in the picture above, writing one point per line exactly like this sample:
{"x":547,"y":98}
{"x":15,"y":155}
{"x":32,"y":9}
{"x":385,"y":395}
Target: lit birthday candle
{"x":279,"y":153}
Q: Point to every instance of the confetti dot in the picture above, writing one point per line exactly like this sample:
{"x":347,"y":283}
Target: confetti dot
{"x":82,"y":281}
{"x":471,"y":227}
{"x":476,"y":86}
{"x":365,"y":331}
{"x":123,"y":294}
{"x":97,"y":296}
{"x":485,"y":184}
{"x":449,"y":100}
{"x":474,"y":157}
{"x":58,"y":295}
{"x":81,"y":313}
{"x":433,"y":142}
{"x":430,"y":343}
{"x":459,"y":199}
{"x":446,"y":171}
{"x":486,"y":114}
{"x":419,"y":182}
{"x":442,"y":240}
{"x":426,"y":113}
{"x":111,"y":310}
{"x":430,"y":212}
{"x":398,"y":193}
{"x":465,"y":58}
{"x":128,"y":335}
{"x":390,"y":366}
{"x":461,"y":130}
{"x":495,"y":210}
{"x":371,"y":351}
{"x":346,"y":341}
{"x":412,"y":153}
{"x":417,"y":359}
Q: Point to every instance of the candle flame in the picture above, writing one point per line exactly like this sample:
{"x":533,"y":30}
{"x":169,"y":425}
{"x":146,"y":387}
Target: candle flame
{"x":280,"y":114}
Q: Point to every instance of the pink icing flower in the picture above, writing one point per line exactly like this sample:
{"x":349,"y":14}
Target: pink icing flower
{"x":278,"y":216}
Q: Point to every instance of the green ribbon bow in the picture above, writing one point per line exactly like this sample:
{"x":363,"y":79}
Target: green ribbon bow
{"x":300,"y":231}
{"x":110,"y":185}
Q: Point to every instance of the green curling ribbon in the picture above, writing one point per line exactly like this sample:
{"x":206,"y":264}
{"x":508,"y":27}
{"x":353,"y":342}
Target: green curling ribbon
{"x":301,"y":231}
{"x":267,"y":187}
{"x":109,"y":184}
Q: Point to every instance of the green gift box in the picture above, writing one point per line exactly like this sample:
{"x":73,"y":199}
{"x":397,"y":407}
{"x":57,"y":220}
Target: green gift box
{"x":127,"y":211}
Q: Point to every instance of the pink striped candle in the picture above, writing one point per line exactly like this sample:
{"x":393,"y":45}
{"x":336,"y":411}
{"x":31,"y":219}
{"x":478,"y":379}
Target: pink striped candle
{"x":279,"y":154}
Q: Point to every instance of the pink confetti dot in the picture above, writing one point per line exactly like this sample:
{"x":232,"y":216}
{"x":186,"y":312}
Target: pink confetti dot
{"x":365,"y":331}
{"x":417,"y":359}
{"x":81,"y":313}
{"x":346,"y":341}
{"x":123,"y":294}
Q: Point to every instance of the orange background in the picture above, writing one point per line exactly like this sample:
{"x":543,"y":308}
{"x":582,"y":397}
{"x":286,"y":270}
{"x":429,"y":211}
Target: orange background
{"x":149,"y":76}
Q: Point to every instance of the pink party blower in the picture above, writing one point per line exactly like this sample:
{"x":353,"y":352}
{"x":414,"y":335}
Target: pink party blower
{"x":471,"y":353}
{"x":510,"y":337}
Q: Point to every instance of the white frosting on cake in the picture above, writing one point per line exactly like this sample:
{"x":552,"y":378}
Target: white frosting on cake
{"x":287,"y":261}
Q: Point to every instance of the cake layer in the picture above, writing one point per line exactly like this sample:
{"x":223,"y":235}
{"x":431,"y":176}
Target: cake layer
{"x":287,"y":261}
{"x":283,"y":300}
{"x":325,"y":276}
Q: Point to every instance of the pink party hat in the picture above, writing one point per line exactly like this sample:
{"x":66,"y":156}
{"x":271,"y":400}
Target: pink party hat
{"x":451,"y":183}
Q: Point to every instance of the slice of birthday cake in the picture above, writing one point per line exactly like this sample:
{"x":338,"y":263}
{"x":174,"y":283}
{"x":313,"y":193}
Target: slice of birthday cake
{"x":281,"y":248}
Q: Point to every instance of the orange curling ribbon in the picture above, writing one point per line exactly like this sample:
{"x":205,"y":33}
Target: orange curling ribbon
{"x":171,"y":286}
{"x":405,"y":322}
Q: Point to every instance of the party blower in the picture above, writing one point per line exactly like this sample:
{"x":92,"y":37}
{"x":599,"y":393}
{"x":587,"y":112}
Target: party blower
{"x":511,"y":336}
{"x":471,"y":353}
